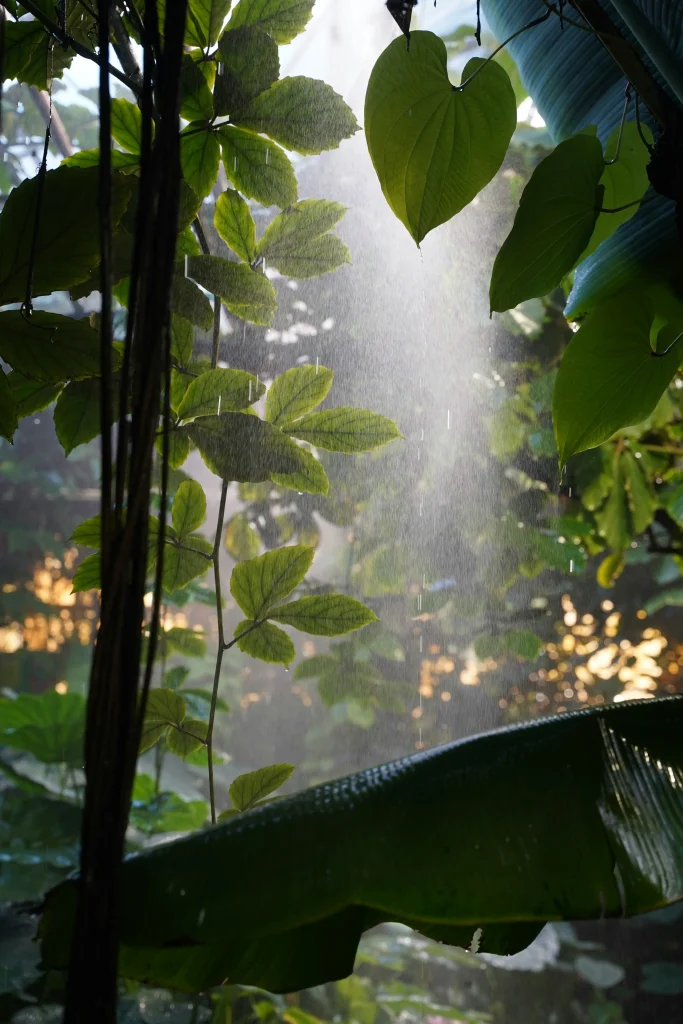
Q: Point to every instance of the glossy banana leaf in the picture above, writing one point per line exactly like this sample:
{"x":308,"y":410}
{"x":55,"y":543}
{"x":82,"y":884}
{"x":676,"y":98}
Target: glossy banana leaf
{"x":575,"y":83}
{"x":577,"y":816}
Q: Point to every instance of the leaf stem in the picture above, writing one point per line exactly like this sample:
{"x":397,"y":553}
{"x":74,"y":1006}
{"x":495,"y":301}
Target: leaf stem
{"x":215,"y":557}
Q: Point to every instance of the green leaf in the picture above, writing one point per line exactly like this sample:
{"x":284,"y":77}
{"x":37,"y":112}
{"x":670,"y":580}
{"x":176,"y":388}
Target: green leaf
{"x":300,"y":113}
{"x":312,"y":667}
{"x":246,"y":293}
{"x":641,"y":499}
{"x":205,"y":20}
{"x":186,"y":641}
{"x":241,"y":541}
{"x":50,"y":726}
{"x":609,"y":377}
{"x":248,"y":789}
{"x":21,"y":39}
{"x":294,"y":242}
{"x":554,"y":222}
{"x":47,"y":61}
{"x":218,"y":391}
{"x":165,"y":707}
{"x":49,"y":347}
{"x":178,"y":448}
{"x":260,"y":583}
{"x":88,"y":533}
{"x":8,"y":408}
{"x":196,"y":101}
{"x":191,"y":736}
{"x":624,"y":181}
{"x":182,"y":565}
{"x":190,"y":203}
{"x":235,"y":225}
{"x":297,"y":391}
{"x":190,"y":302}
{"x":87,"y":575}
{"x":66,"y":247}
{"x":248,"y":64}
{"x":200,"y":156}
{"x":182,"y":340}
{"x":120,"y":161}
{"x":610,"y":569}
{"x":126,"y":125}
{"x":31,"y":396}
{"x":282,"y":19}
{"x":345,"y":430}
{"x":434,"y":146}
{"x":239,"y":447}
{"x":266,"y":642}
{"x":189,"y":508}
{"x":522,"y":643}
{"x":257,"y":167}
{"x":77,"y":413}
{"x":310,"y":477}
{"x":151,"y":733}
{"x":324,"y":615}
{"x":613,"y":519}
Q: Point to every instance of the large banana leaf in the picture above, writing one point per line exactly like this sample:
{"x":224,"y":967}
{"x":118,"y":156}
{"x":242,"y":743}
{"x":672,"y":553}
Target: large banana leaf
{"x":575,"y":82}
{"x":579,"y":816}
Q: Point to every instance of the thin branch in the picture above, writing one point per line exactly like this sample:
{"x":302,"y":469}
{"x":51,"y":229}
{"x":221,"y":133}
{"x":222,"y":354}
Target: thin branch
{"x":627,"y":100}
{"x":524,"y":28}
{"x":124,"y":50}
{"x":106,"y":327}
{"x":221,"y":644}
{"x":626,"y":206}
{"x":67,"y":41}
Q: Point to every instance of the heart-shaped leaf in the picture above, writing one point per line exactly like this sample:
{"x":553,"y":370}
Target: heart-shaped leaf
{"x":434,"y":145}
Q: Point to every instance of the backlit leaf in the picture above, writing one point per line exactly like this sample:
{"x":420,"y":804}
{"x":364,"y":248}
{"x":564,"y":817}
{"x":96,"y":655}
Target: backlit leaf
{"x":235,"y":224}
{"x":87,"y":575}
{"x":248,"y":64}
{"x":296,"y":244}
{"x":178,"y":448}
{"x":126,"y":125}
{"x":282,"y":19}
{"x":641,"y":499}
{"x":610,"y":569}
{"x":309,"y":477}
{"x":21,"y":39}
{"x":612,"y":520}
{"x":609,"y":377}
{"x":182,"y":340}
{"x":220,"y":390}
{"x":246,"y":293}
{"x":248,"y":789}
{"x":297,"y":391}
{"x":189,"y":737}
{"x":196,"y":101}
{"x":241,"y":541}
{"x":189,"y":508}
{"x":433,"y":146}
{"x":184,"y":564}
{"x":257,"y":167}
{"x":300,"y":113}
{"x":266,"y":642}
{"x":31,"y":396}
{"x":50,"y":726}
{"x":325,"y":614}
{"x":345,"y":430}
{"x":204,"y":22}
{"x":260,"y":583}
{"x":165,"y":707}
{"x":554,"y":222}
{"x":77,"y":413}
{"x":200,"y":156}
{"x":190,"y":302}
{"x":235,"y":446}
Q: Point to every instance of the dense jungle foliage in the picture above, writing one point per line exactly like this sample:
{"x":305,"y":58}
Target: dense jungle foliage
{"x":174,"y":323}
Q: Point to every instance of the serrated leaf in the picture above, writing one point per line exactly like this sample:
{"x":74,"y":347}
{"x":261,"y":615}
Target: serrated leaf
{"x":555,"y":220}
{"x":235,"y":446}
{"x":87,"y":575}
{"x":248,"y":64}
{"x":241,"y":541}
{"x":151,"y":734}
{"x":265,"y":642}
{"x":246,"y":293}
{"x":49,"y":347}
{"x":345,"y":430}
{"x":217,"y":391}
{"x":126,"y":125}
{"x":190,"y":302}
{"x":189,"y":508}
{"x":612,"y":520}
{"x":251,"y":787}
{"x":260,"y":583}
{"x":324,"y":614}
{"x":297,"y":391}
{"x":8,"y":408}
{"x":77,"y":413}
{"x":200,"y":155}
{"x":296,"y":244}
{"x":204,"y":22}
{"x":196,"y":101}
{"x":282,"y":19}
{"x":191,"y":736}
{"x":182,"y":340}
{"x":300,"y":113}
{"x":434,"y":146}
{"x":31,"y":396}
{"x":235,"y":224}
{"x":66,"y":248}
{"x":641,"y":499}
{"x":624,"y":181}
{"x":609,"y":377}
{"x":257,"y":167}
{"x":310,"y":477}
{"x":182,"y":565}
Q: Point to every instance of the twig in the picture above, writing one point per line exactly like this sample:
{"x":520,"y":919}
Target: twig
{"x":221,"y":644}
{"x":67,"y":41}
{"x":106,"y":327}
{"x":124,"y":51}
{"x":524,"y":28}
{"x":627,"y":100}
